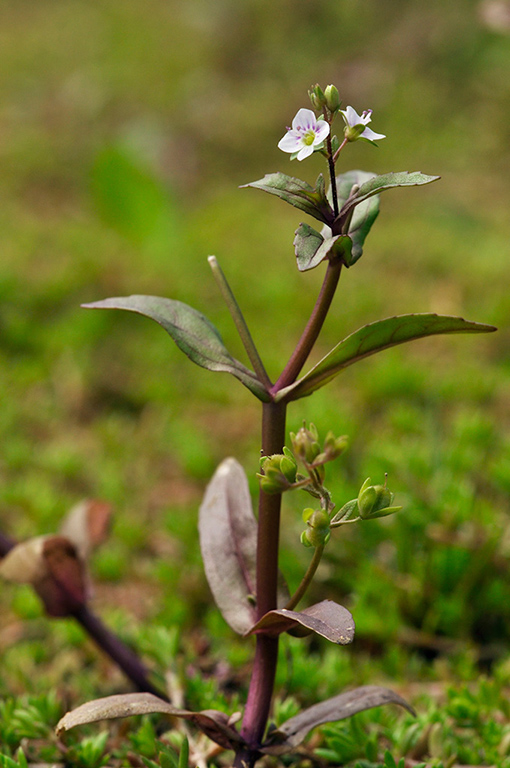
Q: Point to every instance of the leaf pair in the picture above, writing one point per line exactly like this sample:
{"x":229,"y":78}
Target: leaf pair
{"x":219,"y":727}
{"x":358,"y":200}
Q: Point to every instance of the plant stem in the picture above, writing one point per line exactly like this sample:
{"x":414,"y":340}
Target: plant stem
{"x":313,"y":327}
{"x":6,"y":544}
{"x":307,"y":578}
{"x":123,"y":656}
{"x":240,"y":322}
{"x":331,"y":166}
{"x":266,"y":652}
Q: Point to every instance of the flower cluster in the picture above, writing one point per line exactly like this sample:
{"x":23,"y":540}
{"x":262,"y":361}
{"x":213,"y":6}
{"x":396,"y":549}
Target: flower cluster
{"x":308,"y":132}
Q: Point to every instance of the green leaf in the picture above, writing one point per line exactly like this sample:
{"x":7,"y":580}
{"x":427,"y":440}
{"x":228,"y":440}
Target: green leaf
{"x":378,"y":184}
{"x":312,"y":201}
{"x":311,"y":247}
{"x":374,"y":338}
{"x":193,"y":333}
{"x":363,"y":216}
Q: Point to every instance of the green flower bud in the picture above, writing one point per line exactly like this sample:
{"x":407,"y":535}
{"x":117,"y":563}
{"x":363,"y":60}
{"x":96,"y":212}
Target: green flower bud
{"x":375,"y":501}
{"x":318,"y":532}
{"x":305,"y":444}
{"x":332,"y":98}
{"x":335,"y":446}
{"x":317,"y":97}
{"x":278,"y":472}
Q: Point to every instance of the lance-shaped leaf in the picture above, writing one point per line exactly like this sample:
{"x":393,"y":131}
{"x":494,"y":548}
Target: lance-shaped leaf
{"x":211,"y":722}
{"x":327,"y":618}
{"x":311,"y":247}
{"x":193,"y":333}
{"x":228,"y":541}
{"x":378,"y":184}
{"x":312,"y":201}
{"x":290,"y":735}
{"x":373,"y":338}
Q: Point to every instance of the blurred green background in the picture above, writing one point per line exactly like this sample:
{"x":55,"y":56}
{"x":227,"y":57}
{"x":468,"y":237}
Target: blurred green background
{"x":125,"y":131}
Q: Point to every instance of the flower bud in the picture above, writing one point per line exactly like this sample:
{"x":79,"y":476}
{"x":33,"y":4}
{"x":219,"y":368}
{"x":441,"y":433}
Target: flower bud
{"x":305,"y":444}
{"x":375,"y":501}
{"x":332,"y":98}
{"x":278,"y":472}
{"x":317,"y":97}
{"x":335,"y":446}
{"x":317,"y":532}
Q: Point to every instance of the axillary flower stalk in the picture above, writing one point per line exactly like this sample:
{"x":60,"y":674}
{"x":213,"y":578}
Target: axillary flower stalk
{"x":240,"y":551}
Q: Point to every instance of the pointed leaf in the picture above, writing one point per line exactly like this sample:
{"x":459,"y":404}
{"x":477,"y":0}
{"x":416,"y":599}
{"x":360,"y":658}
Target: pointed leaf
{"x":328,"y":619}
{"x":193,"y":333}
{"x":379,"y":184}
{"x":298,"y":193}
{"x":373,"y":338}
{"x":290,"y":735}
{"x":228,"y":541}
{"x":311,"y":247}
{"x":213,"y":723}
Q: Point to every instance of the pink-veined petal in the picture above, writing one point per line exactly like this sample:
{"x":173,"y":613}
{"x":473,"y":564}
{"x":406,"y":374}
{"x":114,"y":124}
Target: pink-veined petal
{"x":371,"y":135}
{"x":321,"y":132}
{"x":304,"y":120}
{"x":291,"y":142}
{"x":306,"y":151}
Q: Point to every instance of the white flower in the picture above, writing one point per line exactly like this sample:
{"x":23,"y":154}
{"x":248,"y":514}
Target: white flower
{"x":306,"y":135}
{"x":356,"y":125}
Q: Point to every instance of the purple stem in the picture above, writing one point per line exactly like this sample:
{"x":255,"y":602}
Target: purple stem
{"x":266,"y":651}
{"x":313,"y":327}
{"x":123,"y":656}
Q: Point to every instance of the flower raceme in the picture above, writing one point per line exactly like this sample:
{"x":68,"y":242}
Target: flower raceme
{"x":306,"y":135}
{"x":356,"y":125}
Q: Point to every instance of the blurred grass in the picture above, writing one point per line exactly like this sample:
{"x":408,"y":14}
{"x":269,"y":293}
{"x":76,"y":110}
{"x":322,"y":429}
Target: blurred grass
{"x":125,"y":130}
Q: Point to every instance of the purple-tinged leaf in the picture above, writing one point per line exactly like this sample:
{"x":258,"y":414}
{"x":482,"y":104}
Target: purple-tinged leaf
{"x":298,"y":193}
{"x":327,"y":618}
{"x":374,"y":338}
{"x":228,"y":541}
{"x":52,"y":565}
{"x":193,"y":333}
{"x":211,"y":722}
{"x":290,"y":735}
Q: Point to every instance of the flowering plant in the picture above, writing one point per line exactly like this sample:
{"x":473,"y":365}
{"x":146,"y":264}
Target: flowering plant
{"x":239,"y":550}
